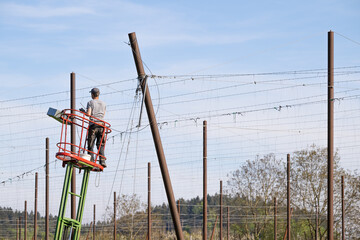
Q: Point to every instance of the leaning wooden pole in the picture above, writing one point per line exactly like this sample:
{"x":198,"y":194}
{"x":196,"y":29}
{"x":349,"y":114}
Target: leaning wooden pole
{"x":213,"y":231}
{"x":330,"y":223}
{"x":156,"y":136}
{"x":87,"y":236}
{"x":286,"y":230}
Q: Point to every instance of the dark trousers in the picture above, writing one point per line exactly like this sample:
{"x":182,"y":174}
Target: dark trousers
{"x":95,"y":132}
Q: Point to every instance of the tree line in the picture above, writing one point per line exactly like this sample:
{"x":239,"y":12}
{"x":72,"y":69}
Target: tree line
{"x":249,"y":197}
{"x":250,"y":193}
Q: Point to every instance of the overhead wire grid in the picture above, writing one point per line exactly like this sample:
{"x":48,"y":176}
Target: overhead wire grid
{"x":247,"y":114}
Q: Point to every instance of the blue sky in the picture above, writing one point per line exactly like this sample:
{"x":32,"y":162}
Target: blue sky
{"x":47,"y":36}
{"x":43,"y":41}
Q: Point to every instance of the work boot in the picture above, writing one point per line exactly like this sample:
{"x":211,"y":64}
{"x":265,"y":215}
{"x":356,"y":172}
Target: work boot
{"x":102,"y":163}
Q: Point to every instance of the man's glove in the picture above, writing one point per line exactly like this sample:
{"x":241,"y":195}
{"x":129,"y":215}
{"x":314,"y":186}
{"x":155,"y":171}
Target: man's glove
{"x":82,"y":110}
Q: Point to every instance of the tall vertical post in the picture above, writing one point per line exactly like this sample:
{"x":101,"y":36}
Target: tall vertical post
{"x":47,"y":190}
{"x":287,"y":229}
{"x":204,"y":180}
{"x":330,"y":224}
{"x":288,"y":198}
{"x":20,"y":228}
{"x":275,"y":219}
{"x":342,"y":207}
{"x":156,"y":136}
{"x":221,"y":211}
{"x":228,"y":224}
{"x":73,"y":142}
{"x":17,"y":229}
{"x":35,"y":211}
{"x":114,"y":215}
{"x":317,"y":223}
{"x":149,"y":201}
{"x":179,"y":209}
{"x":94,"y":231}
{"x":25,"y":219}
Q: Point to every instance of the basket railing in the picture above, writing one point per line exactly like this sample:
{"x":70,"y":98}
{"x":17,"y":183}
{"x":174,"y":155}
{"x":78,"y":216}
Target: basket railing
{"x":81,"y":121}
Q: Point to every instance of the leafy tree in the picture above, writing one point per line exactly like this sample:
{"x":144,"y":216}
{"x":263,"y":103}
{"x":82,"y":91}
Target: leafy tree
{"x":131,"y":216}
{"x":255,"y":185}
{"x":309,"y":190}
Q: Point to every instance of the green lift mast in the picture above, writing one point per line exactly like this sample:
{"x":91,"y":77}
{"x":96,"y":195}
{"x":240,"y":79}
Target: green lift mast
{"x":66,"y":227}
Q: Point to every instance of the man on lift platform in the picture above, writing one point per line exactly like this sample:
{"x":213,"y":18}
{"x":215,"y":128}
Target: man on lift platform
{"x":96,"y":108}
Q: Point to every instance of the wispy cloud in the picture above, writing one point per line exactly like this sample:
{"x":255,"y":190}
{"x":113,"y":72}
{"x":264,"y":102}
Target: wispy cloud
{"x":201,"y":39}
{"x":27,"y":11}
{"x":46,"y":27}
